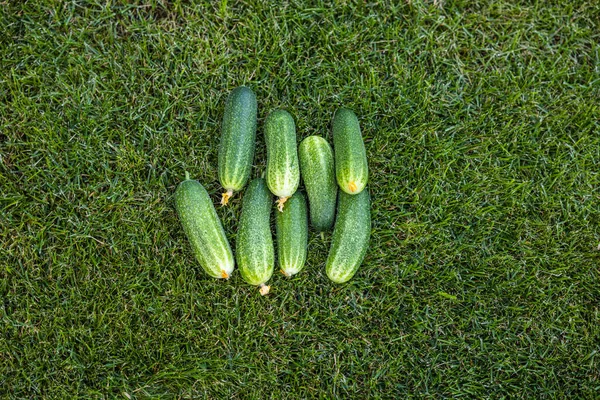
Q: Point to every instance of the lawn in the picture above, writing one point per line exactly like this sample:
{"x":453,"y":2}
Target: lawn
{"x":482,"y":127}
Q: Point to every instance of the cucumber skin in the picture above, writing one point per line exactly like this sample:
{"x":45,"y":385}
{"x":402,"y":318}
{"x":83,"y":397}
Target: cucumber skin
{"x":292,"y":235}
{"x":203,"y":229}
{"x":350,"y":236}
{"x":351,"y":166}
{"x":283,"y":170}
{"x":238,"y":139}
{"x":255,"y":252}
{"x":318,"y":173}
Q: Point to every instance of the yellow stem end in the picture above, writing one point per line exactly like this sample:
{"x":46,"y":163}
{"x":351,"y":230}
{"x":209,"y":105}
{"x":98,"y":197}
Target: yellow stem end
{"x":352,"y":186}
{"x":224,"y":274}
{"x":264,"y":289}
{"x":281,"y":202}
{"x":226,"y":196}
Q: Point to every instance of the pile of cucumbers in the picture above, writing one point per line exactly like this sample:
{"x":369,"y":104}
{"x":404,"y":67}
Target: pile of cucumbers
{"x":313,"y":159}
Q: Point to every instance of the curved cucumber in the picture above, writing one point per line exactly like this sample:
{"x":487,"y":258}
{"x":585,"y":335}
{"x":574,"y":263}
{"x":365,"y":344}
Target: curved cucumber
{"x":283,"y":171}
{"x":203,"y":228}
{"x":238,"y":140}
{"x":351,"y":169}
{"x":255,"y":253}
{"x":318,"y":174}
{"x":292,"y":235}
{"x":350,"y":236}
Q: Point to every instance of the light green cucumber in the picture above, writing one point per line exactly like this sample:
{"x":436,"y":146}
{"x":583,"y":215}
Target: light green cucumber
{"x":203,"y":228}
{"x":238,"y":140}
{"x":292,"y":235}
{"x":350,"y":236}
{"x":351,"y":169}
{"x":318,"y":174}
{"x":283,"y":171}
{"x":255,"y":254}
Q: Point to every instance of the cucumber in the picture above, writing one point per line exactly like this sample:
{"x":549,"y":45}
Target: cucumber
{"x":318,"y":174}
{"x":238,"y":140}
{"x":351,"y":169}
{"x":283,"y":171}
{"x":350,"y":236}
{"x":203,"y":228}
{"x":292,"y":235}
{"x":255,"y":254}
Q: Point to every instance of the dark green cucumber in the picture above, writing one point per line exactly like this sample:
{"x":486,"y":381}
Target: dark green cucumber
{"x":203,"y":228}
{"x":292,"y":235}
{"x":283,"y":170}
{"x":350,"y":236}
{"x":238,"y":140}
{"x":255,"y":254}
{"x":318,"y":174}
{"x":351,"y":169}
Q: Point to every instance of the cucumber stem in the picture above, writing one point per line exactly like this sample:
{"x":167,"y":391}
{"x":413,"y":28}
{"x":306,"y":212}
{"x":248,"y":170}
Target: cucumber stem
{"x":281,"y":202}
{"x":224,"y":274}
{"x":187,"y":176}
{"x":226,"y":196}
{"x":264,"y":289}
{"x":322,"y":236}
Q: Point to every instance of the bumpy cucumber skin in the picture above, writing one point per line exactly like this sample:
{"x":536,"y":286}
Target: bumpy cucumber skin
{"x":255,"y":252}
{"x":283,"y":170}
{"x":292,"y":235}
{"x":351,"y":169}
{"x":350,"y":236}
{"x":238,"y":139}
{"x":318,"y":174}
{"x":203,"y":229}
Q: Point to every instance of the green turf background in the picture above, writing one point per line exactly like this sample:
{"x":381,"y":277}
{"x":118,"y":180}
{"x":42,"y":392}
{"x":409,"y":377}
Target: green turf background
{"x":481,"y":123}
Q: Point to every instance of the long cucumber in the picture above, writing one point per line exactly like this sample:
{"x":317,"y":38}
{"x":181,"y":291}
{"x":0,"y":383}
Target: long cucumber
{"x":255,"y":253}
{"x":292,"y":235}
{"x":283,"y":170}
{"x":203,"y":228}
{"x":350,"y":236}
{"x":318,"y":174}
{"x":351,"y":168}
{"x":238,"y":140}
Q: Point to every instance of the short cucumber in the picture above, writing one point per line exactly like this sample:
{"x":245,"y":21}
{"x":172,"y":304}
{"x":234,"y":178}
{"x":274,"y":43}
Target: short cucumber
{"x":238,"y":140}
{"x":255,"y":254}
{"x":318,"y":174}
{"x":351,"y":169}
{"x":292,"y":235}
{"x":283,"y":171}
{"x":350,"y":236}
{"x":203,"y":228}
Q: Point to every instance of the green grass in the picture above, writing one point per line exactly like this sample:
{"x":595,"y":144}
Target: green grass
{"x":481,"y":122}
